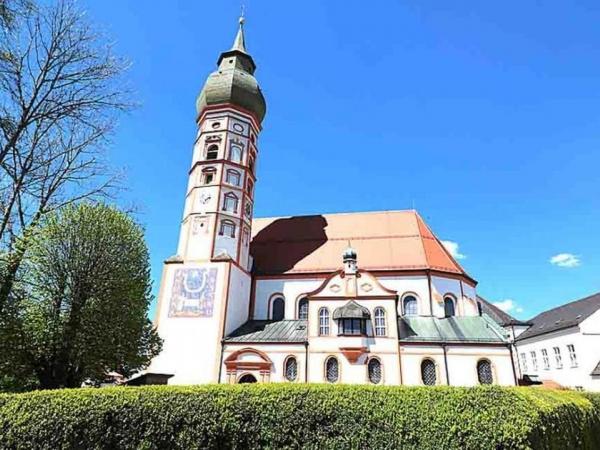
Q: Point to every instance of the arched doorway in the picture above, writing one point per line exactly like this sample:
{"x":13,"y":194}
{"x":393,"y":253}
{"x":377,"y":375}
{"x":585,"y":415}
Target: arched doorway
{"x":248,"y":378}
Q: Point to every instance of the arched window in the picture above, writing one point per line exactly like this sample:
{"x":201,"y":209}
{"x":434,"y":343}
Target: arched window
{"x":449,"y":307}
{"x":380,"y":326}
{"x":212,"y":152}
{"x":303,"y":309}
{"x":227,"y":228}
{"x":484,"y":372}
{"x":233,"y":177}
{"x":428,"y":372}
{"x":230,"y":202}
{"x":332,"y":371}
{"x":278,"y":309}
{"x":291,"y":369}
{"x":251,"y":165}
{"x":235,"y":153}
{"x":323,"y":322}
{"x":410,"y":305}
{"x":250,"y":185}
{"x":208,"y":175}
{"x":374,"y":370}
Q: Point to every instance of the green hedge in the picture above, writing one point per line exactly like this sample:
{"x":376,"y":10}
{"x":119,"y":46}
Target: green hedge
{"x":300,"y":416}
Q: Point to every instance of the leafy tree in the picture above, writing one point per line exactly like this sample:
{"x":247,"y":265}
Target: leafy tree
{"x":61,"y":93}
{"x":82,"y":305}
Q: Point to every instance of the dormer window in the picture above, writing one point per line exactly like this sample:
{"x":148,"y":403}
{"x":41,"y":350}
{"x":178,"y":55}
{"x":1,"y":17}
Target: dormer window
{"x":352,"y":327}
{"x":352,"y":319}
{"x":212,"y":152}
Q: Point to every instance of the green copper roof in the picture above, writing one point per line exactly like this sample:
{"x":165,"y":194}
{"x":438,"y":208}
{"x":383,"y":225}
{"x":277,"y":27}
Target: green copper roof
{"x":233,"y":82}
{"x":451,"y":329}
{"x":269,"y":331}
{"x":351,"y":310}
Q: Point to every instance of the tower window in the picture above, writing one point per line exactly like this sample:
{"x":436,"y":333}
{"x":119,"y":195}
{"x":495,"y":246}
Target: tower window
{"x":410,"y":306}
{"x":323,"y":322}
{"x":303,"y":309}
{"x":248,"y":209}
{"x":208,"y":175}
{"x":250,"y":185}
{"x":227,"y":228}
{"x":449,"y":307}
{"x":332,"y":371}
{"x":230,"y":202}
{"x":235,"y":153}
{"x":374,"y":370}
{"x":291,"y":369}
{"x":251,"y":165}
{"x":428,"y":372}
{"x":380,"y":326}
{"x":484,"y":372}
{"x":212,"y":152}
{"x":278,"y":309}
{"x":233,"y":177}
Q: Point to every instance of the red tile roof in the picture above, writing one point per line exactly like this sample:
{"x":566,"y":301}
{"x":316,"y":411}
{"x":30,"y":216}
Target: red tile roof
{"x":385,"y":240}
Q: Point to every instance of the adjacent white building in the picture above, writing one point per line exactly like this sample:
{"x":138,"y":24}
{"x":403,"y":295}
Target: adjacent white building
{"x":562,"y":345}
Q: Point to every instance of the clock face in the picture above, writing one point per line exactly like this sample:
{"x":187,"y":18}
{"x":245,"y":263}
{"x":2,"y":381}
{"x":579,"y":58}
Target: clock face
{"x":205,"y":198}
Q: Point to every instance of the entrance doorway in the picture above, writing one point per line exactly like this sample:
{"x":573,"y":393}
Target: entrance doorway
{"x":248,"y":378}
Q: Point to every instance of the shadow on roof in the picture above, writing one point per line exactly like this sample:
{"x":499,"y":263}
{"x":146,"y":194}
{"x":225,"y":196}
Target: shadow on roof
{"x":279,"y":246}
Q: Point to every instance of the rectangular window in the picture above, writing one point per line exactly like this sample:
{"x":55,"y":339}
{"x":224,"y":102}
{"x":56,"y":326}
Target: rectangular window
{"x":545,"y":359}
{"x":558,"y":358}
{"x":572,"y":355}
{"x":534,"y":363}
{"x":352,"y":327}
{"x":323,"y":322}
{"x":523,"y":363}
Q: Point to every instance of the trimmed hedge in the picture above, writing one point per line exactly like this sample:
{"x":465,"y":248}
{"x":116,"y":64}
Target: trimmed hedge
{"x":300,"y":416}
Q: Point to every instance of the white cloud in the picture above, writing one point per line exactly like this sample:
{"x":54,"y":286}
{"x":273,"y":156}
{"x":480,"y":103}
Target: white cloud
{"x":453,"y":248}
{"x":565,"y":260}
{"x":508,"y":306}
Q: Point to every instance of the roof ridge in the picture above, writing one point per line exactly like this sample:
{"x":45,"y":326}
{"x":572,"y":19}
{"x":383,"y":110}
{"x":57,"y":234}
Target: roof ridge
{"x":346,"y":213}
{"x":581,"y":300}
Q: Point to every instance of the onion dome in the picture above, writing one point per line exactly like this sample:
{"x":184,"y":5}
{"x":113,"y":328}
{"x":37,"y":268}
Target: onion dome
{"x":349,"y":254}
{"x":233,"y":82}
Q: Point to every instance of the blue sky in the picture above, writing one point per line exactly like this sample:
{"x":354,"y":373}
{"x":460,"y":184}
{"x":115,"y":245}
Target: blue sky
{"x":485,"y":116}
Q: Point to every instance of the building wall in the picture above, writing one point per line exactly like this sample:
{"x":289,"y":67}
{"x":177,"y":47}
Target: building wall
{"x":586,"y":340}
{"x":294,"y":288}
{"x":191,"y":347}
{"x":277,"y":354}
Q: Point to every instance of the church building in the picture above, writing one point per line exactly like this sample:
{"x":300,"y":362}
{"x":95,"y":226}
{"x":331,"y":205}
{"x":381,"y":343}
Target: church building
{"x":371,"y":298}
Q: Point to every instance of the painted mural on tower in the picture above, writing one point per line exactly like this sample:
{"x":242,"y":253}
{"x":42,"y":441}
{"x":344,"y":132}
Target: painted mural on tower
{"x":193,"y":292}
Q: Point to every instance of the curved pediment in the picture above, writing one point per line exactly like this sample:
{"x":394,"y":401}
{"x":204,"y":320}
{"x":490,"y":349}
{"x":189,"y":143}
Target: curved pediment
{"x":360,"y":285}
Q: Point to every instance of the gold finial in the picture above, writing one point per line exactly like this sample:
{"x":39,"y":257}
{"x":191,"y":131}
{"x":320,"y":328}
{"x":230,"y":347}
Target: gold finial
{"x":242,"y":14}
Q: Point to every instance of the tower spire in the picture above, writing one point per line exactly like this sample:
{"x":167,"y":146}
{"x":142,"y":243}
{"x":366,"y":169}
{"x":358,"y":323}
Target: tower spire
{"x":239,"y":43}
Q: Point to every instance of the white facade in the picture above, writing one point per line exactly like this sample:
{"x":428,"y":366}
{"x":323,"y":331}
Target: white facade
{"x":570,"y":355}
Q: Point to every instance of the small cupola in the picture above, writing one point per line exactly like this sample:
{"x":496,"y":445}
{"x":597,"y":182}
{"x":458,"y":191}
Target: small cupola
{"x":350,"y":263}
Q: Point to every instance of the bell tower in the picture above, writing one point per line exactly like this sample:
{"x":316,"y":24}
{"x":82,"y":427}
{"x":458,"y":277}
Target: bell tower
{"x":205,"y":287}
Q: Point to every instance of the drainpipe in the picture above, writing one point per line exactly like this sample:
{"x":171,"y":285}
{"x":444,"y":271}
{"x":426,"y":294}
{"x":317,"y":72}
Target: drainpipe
{"x":221,"y":362}
{"x":512,"y":361}
{"x":306,"y":362}
{"x":446,"y":364}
